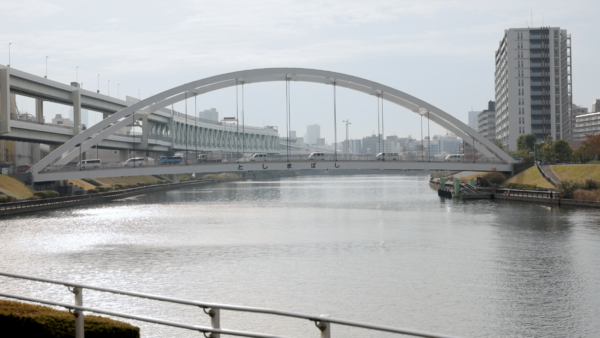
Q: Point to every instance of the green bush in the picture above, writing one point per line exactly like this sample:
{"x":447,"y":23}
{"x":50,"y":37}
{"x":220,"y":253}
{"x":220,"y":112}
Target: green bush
{"x":42,"y":194}
{"x":590,"y":184}
{"x":52,"y":193}
{"x":26,"y":320}
{"x":566,"y":188}
{"x":78,"y":192}
{"x":4,"y":199}
{"x":493,"y":177}
{"x":102,"y":189}
{"x":92,"y":191}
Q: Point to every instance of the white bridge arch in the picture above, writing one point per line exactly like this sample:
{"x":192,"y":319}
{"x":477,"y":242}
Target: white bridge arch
{"x":104,"y":128}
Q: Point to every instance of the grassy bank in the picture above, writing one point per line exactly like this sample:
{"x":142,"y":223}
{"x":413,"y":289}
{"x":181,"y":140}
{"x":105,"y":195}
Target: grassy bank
{"x":27,"y":320}
{"x":577,"y":172}
{"x":530,"y":176}
{"x":15,"y":186}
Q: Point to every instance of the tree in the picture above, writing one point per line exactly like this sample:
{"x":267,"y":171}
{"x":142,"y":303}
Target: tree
{"x":545,"y":152}
{"x":563,"y":151}
{"x":526,"y":143}
{"x":498,"y":143}
{"x":591,"y":146}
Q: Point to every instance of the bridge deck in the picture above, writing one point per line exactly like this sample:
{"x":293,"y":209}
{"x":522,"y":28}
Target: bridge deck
{"x":212,"y":167}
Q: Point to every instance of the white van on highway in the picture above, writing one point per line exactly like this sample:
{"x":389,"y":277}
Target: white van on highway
{"x":89,"y":164}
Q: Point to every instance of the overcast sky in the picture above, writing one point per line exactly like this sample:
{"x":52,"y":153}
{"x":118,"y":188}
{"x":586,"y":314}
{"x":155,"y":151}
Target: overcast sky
{"x":439,"y":51}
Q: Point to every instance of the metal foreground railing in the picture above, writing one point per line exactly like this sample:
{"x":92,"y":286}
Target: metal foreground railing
{"x":213,"y":310}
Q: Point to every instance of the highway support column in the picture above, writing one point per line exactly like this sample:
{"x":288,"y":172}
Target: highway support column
{"x":145,"y":130}
{"x":39,"y":110}
{"x":5,"y":101}
{"x":76,"y":97}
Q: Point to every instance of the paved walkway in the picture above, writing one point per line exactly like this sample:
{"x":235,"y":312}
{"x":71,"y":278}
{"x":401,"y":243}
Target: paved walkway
{"x":548,"y":171}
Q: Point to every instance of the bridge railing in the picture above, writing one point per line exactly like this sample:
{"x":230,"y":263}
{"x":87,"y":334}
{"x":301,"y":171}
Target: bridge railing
{"x":323,"y":323}
{"x":229,"y":158}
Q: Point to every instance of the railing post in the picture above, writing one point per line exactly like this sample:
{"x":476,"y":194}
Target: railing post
{"x":215,"y":320}
{"x":79,"y":329}
{"x":324,"y":327}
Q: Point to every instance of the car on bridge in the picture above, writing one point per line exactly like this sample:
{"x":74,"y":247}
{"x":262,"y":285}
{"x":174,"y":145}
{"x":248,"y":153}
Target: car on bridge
{"x":89,"y":164}
{"x":388,"y":156}
{"x":258,"y":157}
{"x":171,"y":159}
{"x":23,"y":168}
{"x":454,"y":158}
{"x":316,"y":156}
{"x":135,"y":162}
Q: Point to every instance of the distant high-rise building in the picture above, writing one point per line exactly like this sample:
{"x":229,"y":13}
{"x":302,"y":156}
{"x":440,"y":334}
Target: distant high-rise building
{"x":370,"y":145}
{"x":292,"y":134}
{"x":209,"y":114}
{"x":320,"y":141}
{"x":473,"y":119}
{"x":486,"y":122}
{"x":577,"y":110}
{"x":355,"y":146}
{"x":449,"y":144}
{"x":313,"y":132}
{"x":586,"y":124}
{"x":533,"y":85}
{"x":596,"y":106}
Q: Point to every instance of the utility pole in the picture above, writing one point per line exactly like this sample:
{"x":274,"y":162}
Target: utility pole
{"x":347,"y":140}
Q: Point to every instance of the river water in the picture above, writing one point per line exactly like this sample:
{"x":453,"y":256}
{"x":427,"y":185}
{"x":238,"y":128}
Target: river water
{"x":380,"y":249}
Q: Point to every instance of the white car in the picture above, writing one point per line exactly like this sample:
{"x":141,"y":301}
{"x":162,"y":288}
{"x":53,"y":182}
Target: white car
{"x":134,"y":162}
{"x":316,"y":156}
{"x":258,"y":157}
{"x":388,"y":156}
{"x":89,"y":164}
{"x":454,"y":158}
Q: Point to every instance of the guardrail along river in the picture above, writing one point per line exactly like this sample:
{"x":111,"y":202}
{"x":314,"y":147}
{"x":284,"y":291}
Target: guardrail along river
{"x":379,"y":249}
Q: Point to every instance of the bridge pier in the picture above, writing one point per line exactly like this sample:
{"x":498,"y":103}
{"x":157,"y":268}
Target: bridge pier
{"x":76,"y":97}
{"x":39,"y":110}
{"x":5,"y":101}
{"x":174,"y":178}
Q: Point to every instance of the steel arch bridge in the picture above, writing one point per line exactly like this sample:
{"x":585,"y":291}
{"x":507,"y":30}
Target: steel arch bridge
{"x":114,"y":122}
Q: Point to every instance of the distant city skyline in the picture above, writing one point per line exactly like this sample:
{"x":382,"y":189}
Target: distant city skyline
{"x":441,"y":52}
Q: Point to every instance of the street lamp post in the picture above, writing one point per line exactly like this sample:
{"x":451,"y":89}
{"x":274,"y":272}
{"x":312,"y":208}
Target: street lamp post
{"x":77,"y":74}
{"x":98,"y":84}
{"x":9,"y":53}
{"x":347,"y":140}
{"x":46,"y":76}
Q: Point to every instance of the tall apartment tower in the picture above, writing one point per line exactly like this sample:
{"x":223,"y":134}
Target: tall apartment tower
{"x":533,"y":85}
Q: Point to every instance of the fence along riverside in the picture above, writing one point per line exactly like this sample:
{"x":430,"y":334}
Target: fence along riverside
{"x":213,"y":310}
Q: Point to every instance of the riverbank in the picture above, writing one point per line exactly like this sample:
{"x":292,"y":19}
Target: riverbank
{"x":29,"y":206}
{"x":547,"y":197}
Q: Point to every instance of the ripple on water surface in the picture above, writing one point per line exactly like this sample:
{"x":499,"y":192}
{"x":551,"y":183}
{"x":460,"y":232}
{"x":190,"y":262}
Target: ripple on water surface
{"x":382,"y":249}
